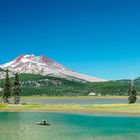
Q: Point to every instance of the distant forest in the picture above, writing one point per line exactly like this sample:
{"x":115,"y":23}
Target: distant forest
{"x":51,"y":86}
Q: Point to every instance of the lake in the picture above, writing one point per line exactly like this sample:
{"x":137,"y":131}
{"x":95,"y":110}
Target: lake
{"x":77,"y":100}
{"x":64,"y":126}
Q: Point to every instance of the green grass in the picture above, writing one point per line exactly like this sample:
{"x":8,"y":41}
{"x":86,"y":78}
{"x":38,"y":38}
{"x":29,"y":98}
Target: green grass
{"x":133,"y":109}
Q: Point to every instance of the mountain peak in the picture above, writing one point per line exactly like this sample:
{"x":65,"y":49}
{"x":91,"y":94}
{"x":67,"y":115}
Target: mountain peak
{"x":23,"y":56}
{"x":33,"y":58}
{"x":45,"y":59}
{"x":19,"y":58}
{"x":29,"y":63}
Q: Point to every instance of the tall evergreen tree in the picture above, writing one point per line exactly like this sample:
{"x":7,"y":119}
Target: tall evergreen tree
{"x":132,"y":93}
{"x":6,"y":88}
{"x":16,"y":89}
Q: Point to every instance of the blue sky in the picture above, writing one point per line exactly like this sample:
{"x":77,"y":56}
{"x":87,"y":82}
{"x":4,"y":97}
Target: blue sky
{"x":95,"y":37}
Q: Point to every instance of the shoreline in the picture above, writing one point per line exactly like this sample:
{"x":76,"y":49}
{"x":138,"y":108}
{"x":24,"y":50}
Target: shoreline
{"x":76,"y":97}
{"x":105,"y":109}
{"x":117,"y":114}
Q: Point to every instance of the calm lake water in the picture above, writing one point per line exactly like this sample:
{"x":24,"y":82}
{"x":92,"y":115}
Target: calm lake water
{"x":77,"y":100}
{"x":21,"y":126}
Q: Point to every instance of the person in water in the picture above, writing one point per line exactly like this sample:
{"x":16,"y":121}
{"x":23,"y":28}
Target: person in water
{"x":44,"y":123}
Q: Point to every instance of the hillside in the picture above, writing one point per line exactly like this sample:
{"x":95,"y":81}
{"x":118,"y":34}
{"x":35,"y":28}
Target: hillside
{"x":51,"y":86}
{"x":47,"y":85}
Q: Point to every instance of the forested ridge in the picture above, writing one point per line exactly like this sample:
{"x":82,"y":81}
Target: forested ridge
{"x":51,"y":86}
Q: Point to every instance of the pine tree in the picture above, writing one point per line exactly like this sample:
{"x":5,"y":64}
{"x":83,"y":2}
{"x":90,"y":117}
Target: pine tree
{"x":6,"y":88}
{"x":16,"y":89}
{"x":132,"y":93}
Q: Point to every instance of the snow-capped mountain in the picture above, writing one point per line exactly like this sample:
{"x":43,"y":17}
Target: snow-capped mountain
{"x":44,"y":66}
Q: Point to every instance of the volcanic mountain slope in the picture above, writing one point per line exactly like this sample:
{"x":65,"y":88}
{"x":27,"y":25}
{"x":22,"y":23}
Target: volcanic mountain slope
{"x":42,"y":65}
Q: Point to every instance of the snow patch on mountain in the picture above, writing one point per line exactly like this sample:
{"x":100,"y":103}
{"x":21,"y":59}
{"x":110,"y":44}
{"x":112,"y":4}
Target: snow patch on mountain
{"x":44,"y":66}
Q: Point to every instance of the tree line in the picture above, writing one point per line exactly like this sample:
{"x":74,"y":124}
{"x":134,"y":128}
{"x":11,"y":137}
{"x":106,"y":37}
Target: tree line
{"x":10,"y":89}
{"x":52,"y":86}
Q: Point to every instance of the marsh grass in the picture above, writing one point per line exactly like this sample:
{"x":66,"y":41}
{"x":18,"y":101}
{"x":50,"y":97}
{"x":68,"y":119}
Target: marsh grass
{"x":91,"y":108}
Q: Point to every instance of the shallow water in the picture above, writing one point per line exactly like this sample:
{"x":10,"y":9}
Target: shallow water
{"x":77,"y":100}
{"x":21,"y":126}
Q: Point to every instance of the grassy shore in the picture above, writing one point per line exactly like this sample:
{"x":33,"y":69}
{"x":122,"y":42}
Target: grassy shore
{"x":75,"y":97}
{"x":92,"y":108}
{"x":133,"y":109}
